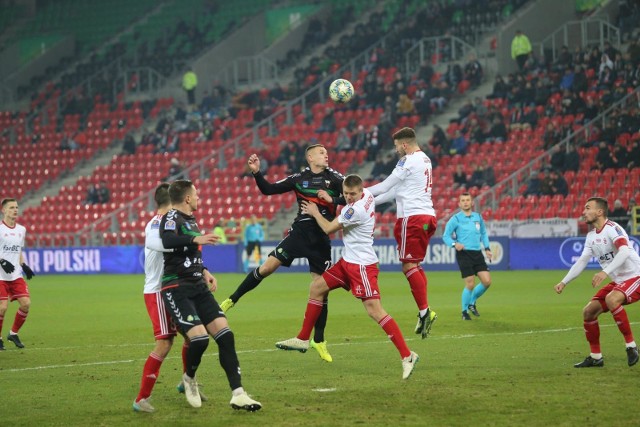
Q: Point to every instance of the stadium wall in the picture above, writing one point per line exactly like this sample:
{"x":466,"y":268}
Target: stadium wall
{"x":509,"y":254}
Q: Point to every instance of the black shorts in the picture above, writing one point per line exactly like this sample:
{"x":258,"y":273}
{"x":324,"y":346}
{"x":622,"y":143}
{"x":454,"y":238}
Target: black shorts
{"x":471,"y":262}
{"x":305,"y":240}
{"x":190,"y":305}
{"x":251,"y":246}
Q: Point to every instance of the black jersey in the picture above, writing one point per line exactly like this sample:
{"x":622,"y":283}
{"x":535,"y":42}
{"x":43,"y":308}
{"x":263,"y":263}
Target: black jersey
{"x":183,"y":267}
{"x":306,"y":185}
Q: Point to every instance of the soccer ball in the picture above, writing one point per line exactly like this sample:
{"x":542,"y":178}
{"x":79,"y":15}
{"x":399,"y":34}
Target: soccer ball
{"x":341,"y":90}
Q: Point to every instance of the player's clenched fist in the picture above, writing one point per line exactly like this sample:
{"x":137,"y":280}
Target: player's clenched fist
{"x":254,"y":163}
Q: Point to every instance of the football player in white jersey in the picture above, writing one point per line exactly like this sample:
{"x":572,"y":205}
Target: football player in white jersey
{"x":609,"y":243}
{"x":164,"y":329}
{"x":410,"y":185}
{"x":356,"y":271}
{"x":12,"y":285}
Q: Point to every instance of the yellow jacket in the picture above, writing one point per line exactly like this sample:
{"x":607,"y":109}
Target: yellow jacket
{"x":520,"y":46}
{"x":189,"y":80}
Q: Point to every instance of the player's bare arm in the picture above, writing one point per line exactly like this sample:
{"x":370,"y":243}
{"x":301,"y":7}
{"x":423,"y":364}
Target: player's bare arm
{"x":254,"y":163}
{"x":310,"y":208}
{"x":206,"y":239}
{"x":559,"y":287}
{"x":211,"y":281}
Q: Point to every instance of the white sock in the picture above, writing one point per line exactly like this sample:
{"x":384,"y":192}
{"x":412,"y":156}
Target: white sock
{"x":423,"y":312}
{"x":596,"y":356}
{"x":631,"y":344}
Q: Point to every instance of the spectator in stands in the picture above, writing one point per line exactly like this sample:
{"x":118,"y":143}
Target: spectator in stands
{"x":619,"y":214}
{"x":405,"y":106}
{"x":498,"y":131}
{"x":92,"y":195}
{"x":520,"y":49}
{"x":439,"y":142}
{"x":219,"y":231}
{"x":129,"y":145}
{"x":542,"y":93}
{"x":488,"y":174}
{"x":103,"y":193}
{"x":567,"y":79}
{"x":189,"y":84}
{"x":557,"y":158}
{"x":328,"y":123}
{"x":603,"y":157}
{"x":500,"y":89}
{"x":359,"y":138}
{"x":563,"y":61}
{"x":558,"y":184}
{"x":175,"y":169}
{"x":453,"y":76}
{"x":458,"y":144}
{"x":473,"y":71}
{"x":373,"y":142}
{"x":606,"y":78}
{"x":634,"y":154}
{"x":477,"y":176}
{"x":580,"y":81}
{"x":633,"y":51}
{"x":343,"y":140}
{"x":533,"y":185}
{"x":459,"y":178}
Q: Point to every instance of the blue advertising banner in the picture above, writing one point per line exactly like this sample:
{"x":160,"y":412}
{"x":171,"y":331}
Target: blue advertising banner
{"x":116,"y":260}
{"x":551,"y":254}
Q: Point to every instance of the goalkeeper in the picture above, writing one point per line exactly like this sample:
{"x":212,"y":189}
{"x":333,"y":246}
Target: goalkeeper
{"x":12,"y":285}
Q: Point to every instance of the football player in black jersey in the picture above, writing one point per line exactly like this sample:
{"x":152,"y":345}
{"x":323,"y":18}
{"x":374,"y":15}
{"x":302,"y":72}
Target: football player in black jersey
{"x":316,"y":183}
{"x":186,"y":290}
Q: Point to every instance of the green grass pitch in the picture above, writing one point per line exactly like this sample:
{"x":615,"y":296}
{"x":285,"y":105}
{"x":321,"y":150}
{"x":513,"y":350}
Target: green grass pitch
{"x":87,"y":338}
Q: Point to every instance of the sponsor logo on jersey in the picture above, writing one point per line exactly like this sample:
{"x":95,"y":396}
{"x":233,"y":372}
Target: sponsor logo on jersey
{"x":619,"y":230}
{"x":401,"y":162}
{"x":477,"y":226}
{"x":305,"y":184}
{"x":170,"y":225}
{"x":155,"y":224}
{"x":186,"y":224}
{"x":349,"y":213}
{"x":327,"y":182}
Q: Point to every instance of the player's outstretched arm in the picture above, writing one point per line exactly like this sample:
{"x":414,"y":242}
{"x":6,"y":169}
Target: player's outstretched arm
{"x":310,"y":208}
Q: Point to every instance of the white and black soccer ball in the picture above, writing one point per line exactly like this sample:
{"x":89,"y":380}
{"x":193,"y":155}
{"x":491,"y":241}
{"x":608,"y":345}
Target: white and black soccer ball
{"x":341,"y":90}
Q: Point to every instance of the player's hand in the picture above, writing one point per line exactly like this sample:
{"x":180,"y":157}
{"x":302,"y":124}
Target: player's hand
{"x":598,"y":278}
{"x":459,"y":246}
{"x":309,"y":208}
{"x":559,"y":287}
{"x":489,"y":255}
{"x":211,"y":281}
{"x":7,"y":266}
{"x":323,"y":195}
{"x":207,"y":239}
{"x":254,"y":163}
{"x":28,"y":271}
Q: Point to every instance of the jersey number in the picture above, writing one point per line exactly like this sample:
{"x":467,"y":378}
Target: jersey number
{"x":427,"y":174}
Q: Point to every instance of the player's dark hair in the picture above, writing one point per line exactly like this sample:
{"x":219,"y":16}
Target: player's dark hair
{"x":7,"y":200}
{"x":466,"y":193}
{"x":311,"y":147}
{"x":352,"y":181}
{"x":601,"y":203}
{"x":161,"y":195}
{"x":405,"y":133}
{"x":178,"y":190}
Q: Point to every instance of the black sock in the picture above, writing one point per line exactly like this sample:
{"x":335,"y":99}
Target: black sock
{"x":228,"y":357}
{"x":197,"y":347}
{"x":252,"y":280}
{"x":321,"y":323}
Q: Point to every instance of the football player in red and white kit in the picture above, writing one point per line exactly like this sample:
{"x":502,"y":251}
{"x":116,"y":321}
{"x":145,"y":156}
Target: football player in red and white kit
{"x":356,"y":271}
{"x":12,"y":285}
{"x":164,"y":329}
{"x":609,"y":243}
{"x":410,"y":185}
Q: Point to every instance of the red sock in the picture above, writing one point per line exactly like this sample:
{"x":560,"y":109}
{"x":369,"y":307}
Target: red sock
{"x":1,"y":321}
{"x":393,"y":332}
{"x":21,"y":317}
{"x":150,"y":374}
{"x":185,"y":349}
{"x":620,"y":316}
{"x":592,"y":331}
{"x":312,"y":313}
{"x":418,"y":282}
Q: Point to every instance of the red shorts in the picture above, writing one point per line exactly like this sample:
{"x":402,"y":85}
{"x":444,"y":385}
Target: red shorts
{"x":163,"y":326}
{"x":14,"y":289}
{"x":412,"y":234}
{"x":362,"y":280}
{"x":630,"y":288}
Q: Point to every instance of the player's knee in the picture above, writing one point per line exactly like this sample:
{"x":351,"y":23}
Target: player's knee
{"x":614,"y":299}
{"x":25,"y":305}
{"x":163,"y":347}
{"x":199,"y":343}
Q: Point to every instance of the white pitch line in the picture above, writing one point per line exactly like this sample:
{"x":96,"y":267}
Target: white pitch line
{"x":265,"y":350}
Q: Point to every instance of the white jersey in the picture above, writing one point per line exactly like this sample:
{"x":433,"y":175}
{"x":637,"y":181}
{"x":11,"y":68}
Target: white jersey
{"x":601,"y":244}
{"x":413,"y":196}
{"x":359,"y":220}
{"x":153,"y":257}
{"x":11,"y":244}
